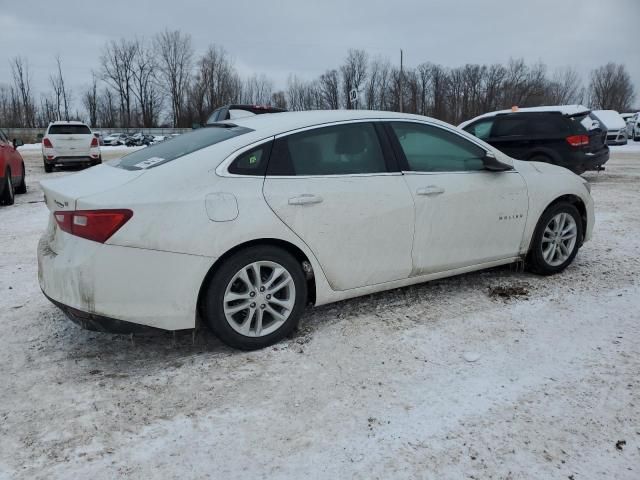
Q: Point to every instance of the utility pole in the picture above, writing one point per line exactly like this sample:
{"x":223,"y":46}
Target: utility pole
{"x":400,"y":82}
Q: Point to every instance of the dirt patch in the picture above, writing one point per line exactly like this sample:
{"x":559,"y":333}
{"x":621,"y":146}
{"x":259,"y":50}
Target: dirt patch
{"x":509,"y":292}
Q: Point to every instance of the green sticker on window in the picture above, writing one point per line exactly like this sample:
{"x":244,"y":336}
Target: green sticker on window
{"x":253,"y":159}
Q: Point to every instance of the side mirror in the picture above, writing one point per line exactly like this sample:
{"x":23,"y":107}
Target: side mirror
{"x":17,"y":143}
{"x":492,"y":163}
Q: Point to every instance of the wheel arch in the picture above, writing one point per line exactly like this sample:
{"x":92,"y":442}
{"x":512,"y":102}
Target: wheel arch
{"x":577,"y":202}
{"x":289,"y":247}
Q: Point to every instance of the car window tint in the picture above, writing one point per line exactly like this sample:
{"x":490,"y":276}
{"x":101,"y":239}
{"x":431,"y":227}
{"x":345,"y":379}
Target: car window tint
{"x":336,"y":150}
{"x":509,"y":126}
{"x":69,"y":130}
{"x":433,"y":149}
{"x":177,"y":147}
{"x":253,"y":162}
{"x":550,"y":125}
{"x":481,"y":129}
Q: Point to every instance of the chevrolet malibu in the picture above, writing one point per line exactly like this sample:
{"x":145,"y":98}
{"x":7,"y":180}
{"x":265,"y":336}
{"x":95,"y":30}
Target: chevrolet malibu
{"x":244,"y":223}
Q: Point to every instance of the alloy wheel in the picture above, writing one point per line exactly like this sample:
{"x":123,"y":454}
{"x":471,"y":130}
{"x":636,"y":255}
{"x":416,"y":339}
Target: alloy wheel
{"x":559,"y":239}
{"x":259,"y":298}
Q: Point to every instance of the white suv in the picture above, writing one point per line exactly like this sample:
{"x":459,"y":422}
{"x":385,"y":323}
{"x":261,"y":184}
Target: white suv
{"x":69,"y":143}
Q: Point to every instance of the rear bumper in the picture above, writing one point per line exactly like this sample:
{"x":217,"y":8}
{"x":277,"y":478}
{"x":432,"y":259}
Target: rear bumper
{"x":581,"y":162}
{"x":71,"y":160}
{"x":108,"y":287}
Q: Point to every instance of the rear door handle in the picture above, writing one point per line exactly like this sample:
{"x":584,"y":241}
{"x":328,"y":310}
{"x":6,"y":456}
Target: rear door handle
{"x":305,"y":199}
{"x":430,"y":190}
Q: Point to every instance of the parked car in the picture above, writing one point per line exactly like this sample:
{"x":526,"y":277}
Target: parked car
{"x":69,"y":143}
{"x":566,"y":135}
{"x":633,"y":127}
{"x":614,"y":124}
{"x":12,"y":171}
{"x":100,"y":137}
{"x":252,"y":220}
{"x":115,"y":139}
{"x":138,"y":139}
{"x":231,"y":112}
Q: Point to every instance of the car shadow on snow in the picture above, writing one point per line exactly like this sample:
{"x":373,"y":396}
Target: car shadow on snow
{"x":399,"y":308}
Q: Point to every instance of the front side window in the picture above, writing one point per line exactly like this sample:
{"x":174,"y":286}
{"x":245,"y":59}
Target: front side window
{"x":433,"y":149}
{"x":336,"y":150}
{"x":177,"y":147}
{"x":481,"y":129}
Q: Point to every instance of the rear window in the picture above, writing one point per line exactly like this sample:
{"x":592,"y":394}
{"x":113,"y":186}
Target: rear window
{"x":69,"y":130}
{"x":510,"y":126}
{"x":177,"y":147}
{"x":550,"y":125}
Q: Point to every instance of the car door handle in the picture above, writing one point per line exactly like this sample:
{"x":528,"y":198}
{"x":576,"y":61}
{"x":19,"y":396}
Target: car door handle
{"x":305,"y":199}
{"x":430,"y":190}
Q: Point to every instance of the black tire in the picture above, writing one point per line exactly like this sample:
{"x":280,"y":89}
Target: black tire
{"x":8,"y":194}
{"x":48,"y":168}
{"x":96,"y":162}
{"x":535,"y":260}
{"x":213,"y":301}
{"x":22,"y":186}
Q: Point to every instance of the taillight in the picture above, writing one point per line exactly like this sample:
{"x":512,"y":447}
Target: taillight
{"x":578,"y":140}
{"x":46,"y":143}
{"x":96,"y":225}
{"x":94,"y":142}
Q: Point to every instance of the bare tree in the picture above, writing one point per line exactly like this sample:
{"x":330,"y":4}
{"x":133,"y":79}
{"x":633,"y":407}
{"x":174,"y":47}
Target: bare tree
{"x":107,"y":109}
{"x":610,"y":88}
{"x":303,"y":95}
{"x":117,"y":71}
{"x":90,"y":101}
{"x":257,"y":90}
{"x":175,"y":55}
{"x":22,"y":87}
{"x":354,"y":73}
{"x":60,"y":92}
{"x":329,"y":87}
{"x":279,"y":99}
{"x":145,"y":85}
{"x":564,"y":87}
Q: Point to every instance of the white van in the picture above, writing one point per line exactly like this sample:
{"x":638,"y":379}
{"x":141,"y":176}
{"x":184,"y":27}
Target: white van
{"x":69,"y":143}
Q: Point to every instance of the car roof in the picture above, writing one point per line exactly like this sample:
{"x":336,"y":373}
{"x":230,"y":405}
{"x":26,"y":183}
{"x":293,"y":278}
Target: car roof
{"x":274,"y":124}
{"x":568,"y":110}
{"x":70,"y":122}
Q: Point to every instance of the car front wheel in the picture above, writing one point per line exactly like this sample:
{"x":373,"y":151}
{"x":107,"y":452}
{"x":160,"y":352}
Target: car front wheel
{"x":7,"y":197}
{"x":256,"y":297}
{"x":556,"y":240}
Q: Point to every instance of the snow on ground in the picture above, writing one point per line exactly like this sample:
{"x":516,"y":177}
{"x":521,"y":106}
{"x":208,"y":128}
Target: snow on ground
{"x":438,"y":380}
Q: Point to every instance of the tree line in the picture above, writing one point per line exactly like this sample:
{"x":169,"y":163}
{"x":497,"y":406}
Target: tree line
{"x":161,"y":82}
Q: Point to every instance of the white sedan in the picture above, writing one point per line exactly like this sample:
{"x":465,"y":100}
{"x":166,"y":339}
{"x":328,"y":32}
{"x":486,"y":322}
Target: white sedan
{"x":244,"y":223}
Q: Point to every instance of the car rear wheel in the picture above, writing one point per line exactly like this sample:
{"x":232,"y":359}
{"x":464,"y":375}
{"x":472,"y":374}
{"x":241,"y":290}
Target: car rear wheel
{"x":541,"y":158}
{"x":7,"y":197}
{"x":48,"y":168}
{"x":22,"y":186}
{"x":556,"y":240}
{"x":256,"y":297}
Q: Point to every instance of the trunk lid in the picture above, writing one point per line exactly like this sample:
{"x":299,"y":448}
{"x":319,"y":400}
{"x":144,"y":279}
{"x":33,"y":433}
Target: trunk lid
{"x":73,"y":145}
{"x":63,"y":193}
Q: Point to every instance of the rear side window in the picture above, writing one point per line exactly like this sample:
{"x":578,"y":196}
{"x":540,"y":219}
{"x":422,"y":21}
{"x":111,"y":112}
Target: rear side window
{"x":433,"y":149}
{"x":253,"y":162}
{"x":547,"y":125}
{"x":336,"y":150}
{"x":69,"y":130}
{"x":481,"y":129}
{"x":510,"y":125}
{"x":177,"y":147}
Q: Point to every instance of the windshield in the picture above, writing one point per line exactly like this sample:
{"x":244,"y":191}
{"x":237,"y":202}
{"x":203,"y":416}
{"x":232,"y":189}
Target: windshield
{"x":177,"y":147}
{"x":69,"y":130}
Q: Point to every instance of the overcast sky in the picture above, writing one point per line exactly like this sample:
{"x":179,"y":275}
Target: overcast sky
{"x":307,"y":37}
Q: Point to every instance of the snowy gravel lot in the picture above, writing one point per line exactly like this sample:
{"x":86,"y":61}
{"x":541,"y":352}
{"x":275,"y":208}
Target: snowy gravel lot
{"x":435,"y":381}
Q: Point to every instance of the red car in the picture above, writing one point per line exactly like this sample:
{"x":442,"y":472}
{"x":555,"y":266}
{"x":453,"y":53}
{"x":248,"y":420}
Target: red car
{"x":12,"y":171}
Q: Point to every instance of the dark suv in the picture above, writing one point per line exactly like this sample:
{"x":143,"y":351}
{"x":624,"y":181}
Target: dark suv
{"x":229,"y":112}
{"x":562,"y":135}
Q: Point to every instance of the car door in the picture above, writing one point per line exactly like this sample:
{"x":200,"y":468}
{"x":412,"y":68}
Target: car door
{"x":465,"y":215}
{"x":509,"y":135}
{"x":335,"y":186}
